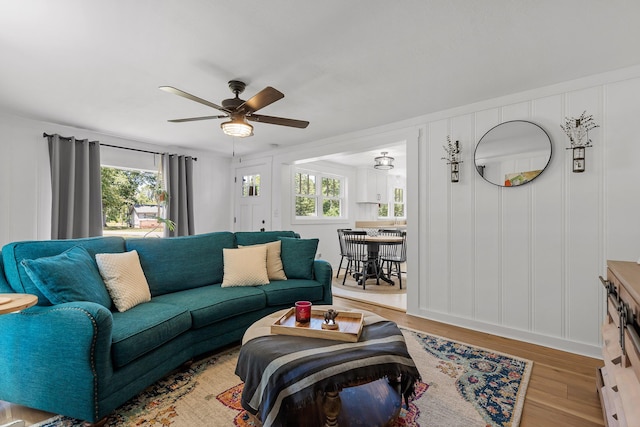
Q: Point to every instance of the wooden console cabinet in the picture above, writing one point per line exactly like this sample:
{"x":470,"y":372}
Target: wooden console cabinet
{"x":619,"y":378}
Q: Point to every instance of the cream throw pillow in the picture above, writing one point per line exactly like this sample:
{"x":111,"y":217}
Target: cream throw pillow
{"x":124,"y":278}
{"x":275,"y":269}
{"x":245,"y":266}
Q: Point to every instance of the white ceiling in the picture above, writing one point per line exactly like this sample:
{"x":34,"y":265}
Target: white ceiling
{"x":367,"y":158}
{"x":342,"y":65}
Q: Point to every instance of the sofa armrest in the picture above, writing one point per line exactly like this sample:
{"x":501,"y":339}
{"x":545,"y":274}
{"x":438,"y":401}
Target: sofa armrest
{"x":44,"y":348}
{"x":323,"y":273}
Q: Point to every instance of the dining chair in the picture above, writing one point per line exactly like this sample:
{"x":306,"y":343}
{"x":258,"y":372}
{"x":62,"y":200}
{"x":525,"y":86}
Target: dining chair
{"x":394,"y":255}
{"x":388,"y":250}
{"x":359,"y":263}
{"x":343,"y":249}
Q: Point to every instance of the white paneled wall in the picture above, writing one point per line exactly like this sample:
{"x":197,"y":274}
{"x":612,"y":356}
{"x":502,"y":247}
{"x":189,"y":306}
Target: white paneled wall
{"x":524,"y":261}
{"x":25,"y":196}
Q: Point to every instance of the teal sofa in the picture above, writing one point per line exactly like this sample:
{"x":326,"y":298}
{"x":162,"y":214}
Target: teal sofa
{"x":84,"y":360}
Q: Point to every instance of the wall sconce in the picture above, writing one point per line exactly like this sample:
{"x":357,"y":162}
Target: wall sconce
{"x":453,"y":158}
{"x":577,"y":129}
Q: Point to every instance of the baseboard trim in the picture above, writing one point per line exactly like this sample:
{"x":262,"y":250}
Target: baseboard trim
{"x":516,"y":334}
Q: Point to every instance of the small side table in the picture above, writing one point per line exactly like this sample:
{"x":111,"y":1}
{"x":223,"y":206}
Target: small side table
{"x":16,"y":302}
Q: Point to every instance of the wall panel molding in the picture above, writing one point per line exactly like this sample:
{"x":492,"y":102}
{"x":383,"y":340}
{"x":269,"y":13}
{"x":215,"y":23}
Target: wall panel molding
{"x":535,"y":251}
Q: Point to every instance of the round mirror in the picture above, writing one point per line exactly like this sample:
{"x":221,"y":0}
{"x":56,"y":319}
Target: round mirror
{"x":513,"y":153}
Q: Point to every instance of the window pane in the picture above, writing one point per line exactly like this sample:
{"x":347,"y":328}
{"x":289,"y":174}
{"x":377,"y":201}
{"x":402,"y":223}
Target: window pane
{"x":398,"y":209}
{"x":305,"y":206}
{"x":383,"y":210}
{"x":250,"y":185}
{"x":305,"y":183}
{"x":331,"y":208}
{"x":398,"y":195}
{"x":330,"y":187}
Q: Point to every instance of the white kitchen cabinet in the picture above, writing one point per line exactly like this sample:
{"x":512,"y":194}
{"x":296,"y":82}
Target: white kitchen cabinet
{"x":371,"y":186}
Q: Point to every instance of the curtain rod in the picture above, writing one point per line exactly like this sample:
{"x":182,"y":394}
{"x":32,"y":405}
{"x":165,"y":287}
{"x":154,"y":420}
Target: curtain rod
{"x":195,"y":159}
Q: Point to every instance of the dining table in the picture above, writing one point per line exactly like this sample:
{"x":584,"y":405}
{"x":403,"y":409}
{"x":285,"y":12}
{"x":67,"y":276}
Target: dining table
{"x":373,"y":250}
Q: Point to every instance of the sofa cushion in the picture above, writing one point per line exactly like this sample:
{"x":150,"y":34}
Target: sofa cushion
{"x":283,"y":292}
{"x":176,"y":263}
{"x":245,"y":267}
{"x":145,"y":327}
{"x":68,"y":277}
{"x":298,"y":256}
{"x":14,"y":253}
{"x":124,"y":278}
{"x":246,"y":238}
{"x":275,"y":269}
{"x":210,"y":304}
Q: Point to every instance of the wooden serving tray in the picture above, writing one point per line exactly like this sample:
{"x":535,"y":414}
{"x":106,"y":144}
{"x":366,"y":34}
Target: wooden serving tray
{"x":349,"y":326}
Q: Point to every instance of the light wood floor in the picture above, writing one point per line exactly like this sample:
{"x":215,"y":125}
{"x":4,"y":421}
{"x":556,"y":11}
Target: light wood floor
{"x":562,"y":388}
{"x":561,"y":392}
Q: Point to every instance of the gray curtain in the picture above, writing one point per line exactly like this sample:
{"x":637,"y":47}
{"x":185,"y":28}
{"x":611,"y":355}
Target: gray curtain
{"x":178,"y":176}
{"x":76,"y":187}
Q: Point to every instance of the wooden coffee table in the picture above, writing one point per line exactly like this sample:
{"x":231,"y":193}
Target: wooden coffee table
{"x":335,"y":401}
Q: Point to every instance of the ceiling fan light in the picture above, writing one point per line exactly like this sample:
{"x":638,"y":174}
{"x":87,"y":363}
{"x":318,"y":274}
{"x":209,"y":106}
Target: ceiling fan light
{"x":384,"y":162}
{"x":237,"y":127}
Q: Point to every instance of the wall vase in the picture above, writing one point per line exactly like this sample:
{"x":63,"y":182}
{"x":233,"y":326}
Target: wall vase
{"x":455,"y":171}
{"x":578,"y":159}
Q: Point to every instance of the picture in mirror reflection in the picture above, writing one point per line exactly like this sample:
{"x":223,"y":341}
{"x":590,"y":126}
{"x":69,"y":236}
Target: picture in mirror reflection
{"x":513,"y":153}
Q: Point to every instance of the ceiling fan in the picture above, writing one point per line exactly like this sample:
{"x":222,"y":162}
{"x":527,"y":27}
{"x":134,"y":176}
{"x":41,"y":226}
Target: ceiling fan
{"x":239,"y":111}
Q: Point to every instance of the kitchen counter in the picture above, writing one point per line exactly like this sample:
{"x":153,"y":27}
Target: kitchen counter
{"x":382,"y":224}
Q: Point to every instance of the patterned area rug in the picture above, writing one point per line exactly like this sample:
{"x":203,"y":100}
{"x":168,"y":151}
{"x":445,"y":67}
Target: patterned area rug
{"x":463,"y":386}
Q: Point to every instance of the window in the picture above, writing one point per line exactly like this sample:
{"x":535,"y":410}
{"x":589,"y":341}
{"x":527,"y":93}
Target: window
{"x":318,"y":195}
{"x":133,"y":203}
{"x":251,"y":185}
{"x":398,"y":202}
{"x":395,"y":208}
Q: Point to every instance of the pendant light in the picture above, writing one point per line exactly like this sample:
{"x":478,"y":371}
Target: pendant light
{"x":384,"y":162}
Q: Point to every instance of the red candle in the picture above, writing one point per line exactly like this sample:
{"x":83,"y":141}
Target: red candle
{"x":303,"y":311}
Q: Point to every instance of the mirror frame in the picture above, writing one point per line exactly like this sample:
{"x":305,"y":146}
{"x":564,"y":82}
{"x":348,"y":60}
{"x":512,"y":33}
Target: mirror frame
{"x":475,"y":153}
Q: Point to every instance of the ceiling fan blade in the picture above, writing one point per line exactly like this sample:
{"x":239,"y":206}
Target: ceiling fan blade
{"x":260,"y":100}
{"x":278,"y":121}
{"x":184,"y":94}
{"x":195,"y":119}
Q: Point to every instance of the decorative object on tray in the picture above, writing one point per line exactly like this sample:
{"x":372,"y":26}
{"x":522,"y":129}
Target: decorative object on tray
{"x":330,"y":319}
{"x":577,"y":129}
{"x":349,"y":325}
{"x":4,"y":300}
{"x":303,"y":312}
{"x":453,"y":158}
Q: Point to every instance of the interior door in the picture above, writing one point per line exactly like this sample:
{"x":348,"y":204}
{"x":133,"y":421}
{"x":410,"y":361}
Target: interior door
{"x":253,"y":198}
